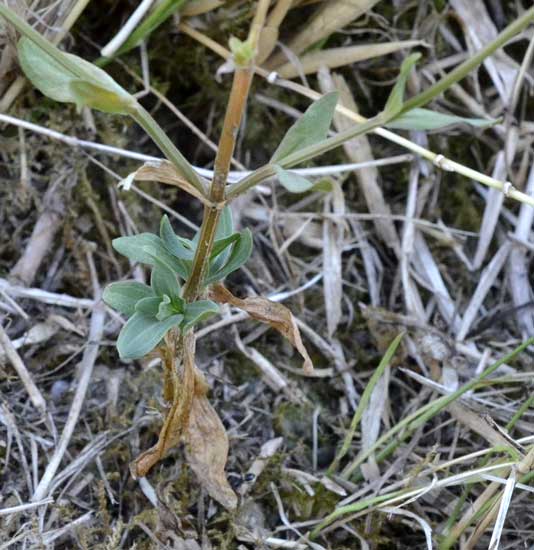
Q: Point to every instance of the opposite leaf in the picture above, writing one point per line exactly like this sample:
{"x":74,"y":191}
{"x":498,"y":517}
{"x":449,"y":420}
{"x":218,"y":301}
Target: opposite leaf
{"x":225,"y":225}
{"x":142,"y":333}
{"x":123,"y":296}
{"x":276,"y":315}
{"x":181,"y":248}
{"x":396,"y":97}
{"x":292,"y":181}
{"x":309,"y":129}
{"x":163,"y":280}
{"x":241,"y":252}
{"x":144,"y":247}
{"x":425,"y":119}
{"x":195,"y":312}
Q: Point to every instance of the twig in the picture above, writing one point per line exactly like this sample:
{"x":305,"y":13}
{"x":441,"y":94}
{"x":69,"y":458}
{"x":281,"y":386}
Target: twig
{"x":24,"y":507}
{"x":96,"y":331}
{"x":36,"y":396}
{"x":44,"y":296}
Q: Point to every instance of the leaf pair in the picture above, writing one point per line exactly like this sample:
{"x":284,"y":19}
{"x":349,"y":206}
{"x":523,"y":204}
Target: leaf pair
{"x":230,"y":250}
{"x":311,"y":128}
{"x":153,"y":310}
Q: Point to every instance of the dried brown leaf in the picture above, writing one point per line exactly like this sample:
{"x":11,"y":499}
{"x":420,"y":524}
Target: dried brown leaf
{"x":181,"y":391}
{"x":276,"y":315}
{"x":207,"y":447}
{"x":164,"y":172}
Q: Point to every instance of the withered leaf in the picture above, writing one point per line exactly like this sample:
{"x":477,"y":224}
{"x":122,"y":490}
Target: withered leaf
{"x":276,"y":315}
{"x":207,"y":447}
{"x":164,"y":172}
{"x":177,"y":418}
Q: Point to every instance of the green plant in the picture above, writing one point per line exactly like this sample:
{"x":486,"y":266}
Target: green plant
{"x":186,"y":274}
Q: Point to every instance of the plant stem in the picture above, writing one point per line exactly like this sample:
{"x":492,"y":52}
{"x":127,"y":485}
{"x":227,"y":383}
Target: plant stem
{"x":167,"y":147}
{"x":232,"y":120}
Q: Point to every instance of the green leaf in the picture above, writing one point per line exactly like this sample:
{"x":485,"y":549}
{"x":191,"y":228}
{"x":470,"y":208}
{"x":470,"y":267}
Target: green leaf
{"x":123,"y":295}
{"x":143,"y":248}
{"x":222,"y":244}
{"x":142,"y":333}
{"x":163,"y":280}
{"x":149,"y":306}
{"x":309,"y":129}
{"x":196,"y":312}
{"x":243,"y":52}
{"x":324,"y":185}
{"x":178,"y":246}
{"x":225,"y":225}
{"x":240,"y":254}
{"x":293,"y":182}
{"x":425,"y":119}
{"x":396,"y":97}
{"x":68,"y":78}
{"x":166,"y":309}
{"x":89,"y":95}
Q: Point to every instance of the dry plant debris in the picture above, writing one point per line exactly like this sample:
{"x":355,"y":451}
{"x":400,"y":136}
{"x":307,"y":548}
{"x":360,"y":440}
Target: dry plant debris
{"x":405,"y":278}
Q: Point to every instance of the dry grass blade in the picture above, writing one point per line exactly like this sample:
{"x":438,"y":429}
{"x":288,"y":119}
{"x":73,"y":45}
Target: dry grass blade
{"x":339,"y":57}
{"x":333,"y":232}
{"x":269,"y":33}
{"x":330,"y":17}
{"x":503,"y":511}
{"x":359,"y":150}
{"x":494,"y":202}
{"x":520,"y":280}
{"x":481,"y":30}
{"x":276,"y":315}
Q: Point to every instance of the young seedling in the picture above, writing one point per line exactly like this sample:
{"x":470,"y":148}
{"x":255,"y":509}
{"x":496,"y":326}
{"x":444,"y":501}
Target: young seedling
{"x":186,"y":275}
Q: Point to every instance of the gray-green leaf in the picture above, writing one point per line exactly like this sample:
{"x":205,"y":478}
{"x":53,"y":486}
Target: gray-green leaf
{"x":163,"y":280}
{"x":225,"y":225}
{"x":145,"y":247}
{"x":179,"y":247}
{"x":396,"y":97}
{"x":149,"y":306}
{"x":68,"y":78}
{"x":425,"y":119}
{"x":309,"y":129}
{"x":123,"y":295}
{"x":292,"y":181}
{"x":196,"y":312}
{"x":142,"y":333}
{"x":240,"y":254}
{"x":166,"y":309}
